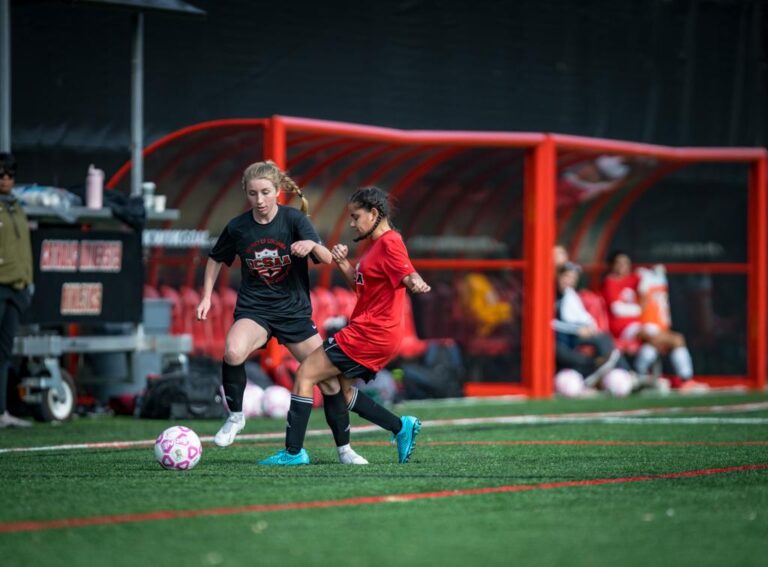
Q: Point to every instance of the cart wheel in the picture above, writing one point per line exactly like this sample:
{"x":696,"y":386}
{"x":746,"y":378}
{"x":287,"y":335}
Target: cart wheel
{"x":55,"y":408}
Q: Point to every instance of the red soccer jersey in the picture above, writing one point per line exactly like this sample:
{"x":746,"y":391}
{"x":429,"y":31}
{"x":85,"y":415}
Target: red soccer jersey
{"x":621,"y":290}
{"x":375,"y":329}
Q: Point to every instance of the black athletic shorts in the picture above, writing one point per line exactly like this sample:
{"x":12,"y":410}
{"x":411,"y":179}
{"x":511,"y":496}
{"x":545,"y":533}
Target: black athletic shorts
{"x":348,"y":367}
{"x":286,"y":331}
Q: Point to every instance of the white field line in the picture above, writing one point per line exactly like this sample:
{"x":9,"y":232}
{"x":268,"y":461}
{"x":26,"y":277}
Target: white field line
{"x":520,"y":398}
{"x":636,"y":417}
{"x":463,"y":402}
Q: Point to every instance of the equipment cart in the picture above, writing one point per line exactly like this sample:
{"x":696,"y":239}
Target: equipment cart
{"x":88,"y":300}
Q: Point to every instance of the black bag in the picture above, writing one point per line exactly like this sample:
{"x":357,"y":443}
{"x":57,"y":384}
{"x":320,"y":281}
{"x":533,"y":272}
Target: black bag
{"x":182,"y":395}
{"x":127,"y":208}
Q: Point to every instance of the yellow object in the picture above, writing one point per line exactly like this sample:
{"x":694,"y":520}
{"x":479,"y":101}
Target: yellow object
{"x":483,"y":304}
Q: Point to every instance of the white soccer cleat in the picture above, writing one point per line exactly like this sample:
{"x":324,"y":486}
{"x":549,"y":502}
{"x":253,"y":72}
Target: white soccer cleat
{"x":234,"y":425}
{"x":349,"y":457}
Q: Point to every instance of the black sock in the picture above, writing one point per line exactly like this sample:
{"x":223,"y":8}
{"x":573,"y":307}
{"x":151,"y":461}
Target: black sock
{"x":337,"y":417}
{"x":233,"y":379}
{"x":298,"y":418}
{"x":366,"y":408}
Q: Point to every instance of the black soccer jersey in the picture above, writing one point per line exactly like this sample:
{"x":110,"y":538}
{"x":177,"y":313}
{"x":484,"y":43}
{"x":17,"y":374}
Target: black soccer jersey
{"x":274,"y":282}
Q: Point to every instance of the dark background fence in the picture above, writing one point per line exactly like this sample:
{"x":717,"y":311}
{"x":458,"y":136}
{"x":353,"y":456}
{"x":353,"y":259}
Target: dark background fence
{"x":678,"y":72}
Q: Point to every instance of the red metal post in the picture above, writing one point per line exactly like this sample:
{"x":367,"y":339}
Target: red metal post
{"x":538,"y":364}
{"x":757,"y":306}
{"x":274,"y":142}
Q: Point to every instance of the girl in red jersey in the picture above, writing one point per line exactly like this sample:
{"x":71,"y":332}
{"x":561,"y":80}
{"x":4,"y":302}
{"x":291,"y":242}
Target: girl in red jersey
{"x":371,"y":338}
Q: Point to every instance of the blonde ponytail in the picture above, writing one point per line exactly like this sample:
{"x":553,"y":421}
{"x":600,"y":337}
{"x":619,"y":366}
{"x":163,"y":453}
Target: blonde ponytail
{"x":290,"y":185}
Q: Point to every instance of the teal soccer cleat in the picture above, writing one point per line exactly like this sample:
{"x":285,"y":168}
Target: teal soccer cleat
{"x":406,"y":439}
{"x":284,"y":458}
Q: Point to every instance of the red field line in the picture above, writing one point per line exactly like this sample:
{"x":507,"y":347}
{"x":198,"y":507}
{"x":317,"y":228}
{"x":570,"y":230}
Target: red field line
{"x":576,"y":442}
{"x":33,"y":526}
{"x":572,"y":442}
{"x":598,"y":443}
{"x":593,"y":442}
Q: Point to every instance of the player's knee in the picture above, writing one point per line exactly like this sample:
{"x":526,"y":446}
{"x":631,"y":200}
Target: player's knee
{"x":235,"y":354}
{"x":304,"y":383}
{"x":348,"y":389}
{"x":329,"y":387}
{"x":305,"y":377}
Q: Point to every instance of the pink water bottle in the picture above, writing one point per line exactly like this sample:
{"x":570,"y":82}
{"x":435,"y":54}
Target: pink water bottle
{"x":94,"y":188}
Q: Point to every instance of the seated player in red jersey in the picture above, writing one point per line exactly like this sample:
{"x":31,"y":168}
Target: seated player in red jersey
{"x":621,"y":290}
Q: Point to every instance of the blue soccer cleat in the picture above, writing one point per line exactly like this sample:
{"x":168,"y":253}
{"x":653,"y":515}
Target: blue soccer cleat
{"x":284,"y":458}
{"x":406,"y":439}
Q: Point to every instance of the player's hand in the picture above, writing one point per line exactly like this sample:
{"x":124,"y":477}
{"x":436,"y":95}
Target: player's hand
{"x":339,"y":252}
{"x":302,"y":248}
{"x":203,"y":308}
{"x":418,"y":285}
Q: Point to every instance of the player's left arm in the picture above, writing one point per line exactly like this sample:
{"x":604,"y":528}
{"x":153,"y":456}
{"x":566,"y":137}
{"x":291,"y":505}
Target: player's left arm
{"x":400,"y":269}
{"x":340,"y":253}
{"x":415,"y":283}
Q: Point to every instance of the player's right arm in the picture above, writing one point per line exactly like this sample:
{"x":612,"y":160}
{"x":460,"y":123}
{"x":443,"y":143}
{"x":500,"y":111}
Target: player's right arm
{"x":339,"y":253}
{"x":223,"y":252}
{"x":212,"y":269}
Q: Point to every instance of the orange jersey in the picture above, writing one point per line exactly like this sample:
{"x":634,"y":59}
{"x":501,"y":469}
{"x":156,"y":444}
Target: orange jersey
{"x":654,"y":298}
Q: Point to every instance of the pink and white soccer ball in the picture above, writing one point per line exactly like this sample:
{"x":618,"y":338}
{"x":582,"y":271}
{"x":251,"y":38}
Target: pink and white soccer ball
{"x":276,"y":402}
{"x":569,"y":383}
{"x":252,"y":400}
{"x":178,"y":448}
{"x":618,"y":383}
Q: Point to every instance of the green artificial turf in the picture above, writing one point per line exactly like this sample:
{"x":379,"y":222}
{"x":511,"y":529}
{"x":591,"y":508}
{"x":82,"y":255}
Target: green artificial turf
{"x":717,"y":519}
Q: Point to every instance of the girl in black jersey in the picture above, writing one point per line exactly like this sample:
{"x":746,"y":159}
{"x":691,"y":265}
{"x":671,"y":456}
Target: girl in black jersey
{"x":274,"y":243}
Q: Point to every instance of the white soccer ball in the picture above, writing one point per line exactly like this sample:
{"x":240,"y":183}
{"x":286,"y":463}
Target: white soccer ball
{"x":252,"y":400}
{"x":618,"y":383}
{"x":569,"y":383}
{"x":178,"y":448}
{"x":276,"y":402}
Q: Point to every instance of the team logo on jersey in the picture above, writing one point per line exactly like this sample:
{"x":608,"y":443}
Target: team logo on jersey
{"x":269,"y":264}
{"x":359,"y":275}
